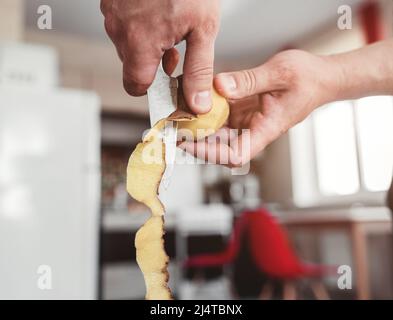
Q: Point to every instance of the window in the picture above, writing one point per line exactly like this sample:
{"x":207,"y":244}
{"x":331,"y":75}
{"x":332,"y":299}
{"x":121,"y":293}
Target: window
{"x":344,"y":149}
{"x":374,"y":117}
{"x":335,"y":147}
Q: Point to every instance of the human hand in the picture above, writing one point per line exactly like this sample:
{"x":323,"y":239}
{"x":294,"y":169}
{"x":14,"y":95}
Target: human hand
{"x":145,"y":31}
{"x":268,"y":100}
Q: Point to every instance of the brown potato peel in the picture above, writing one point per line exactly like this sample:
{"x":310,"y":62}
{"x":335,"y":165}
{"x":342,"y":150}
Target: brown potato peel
{"x":143,"y":181}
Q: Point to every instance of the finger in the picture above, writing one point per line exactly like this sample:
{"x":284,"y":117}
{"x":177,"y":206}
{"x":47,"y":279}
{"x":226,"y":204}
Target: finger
{"x":233,"y":151}
{"x":111,"y":27}
{"x":139,"y":69}
{"x":114,"y":36}
{"x":243,"y":106}
{"x":242,"y":145}
{"x":247,"y":102}
{"x":198,"y":72}
{"x":119,"y":54}
{"x":105,"y":6}
{"x":211,"y":153}
{"x":170,"y":60}
{"x":242,"y":110}
{"x":241,"y":84}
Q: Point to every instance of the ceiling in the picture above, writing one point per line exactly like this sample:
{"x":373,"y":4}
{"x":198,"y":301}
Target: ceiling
{"x":250,"y":30}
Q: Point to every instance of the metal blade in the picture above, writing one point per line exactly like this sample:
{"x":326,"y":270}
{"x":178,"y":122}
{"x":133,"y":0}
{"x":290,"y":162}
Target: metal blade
{"x":170,"y":139}
{"x":162,"y":96}
{"x":162,"y":100}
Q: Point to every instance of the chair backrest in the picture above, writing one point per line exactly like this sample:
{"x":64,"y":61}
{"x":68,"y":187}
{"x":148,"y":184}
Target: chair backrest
{"x":270,"y":246}
{"x":234,"y":242}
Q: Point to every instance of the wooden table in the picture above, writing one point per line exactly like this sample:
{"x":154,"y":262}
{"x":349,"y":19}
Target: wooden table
{"x":357,"y":222}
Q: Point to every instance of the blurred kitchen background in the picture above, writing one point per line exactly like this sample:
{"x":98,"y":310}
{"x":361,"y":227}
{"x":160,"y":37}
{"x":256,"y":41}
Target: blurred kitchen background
{"x":316,"y":195}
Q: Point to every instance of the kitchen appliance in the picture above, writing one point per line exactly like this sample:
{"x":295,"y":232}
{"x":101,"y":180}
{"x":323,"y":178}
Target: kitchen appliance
{"x":49,"y":183}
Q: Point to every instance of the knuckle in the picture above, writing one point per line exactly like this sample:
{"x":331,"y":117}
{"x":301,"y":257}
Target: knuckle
{"x":250,"y":81}
{"x":109,"y":27}
{"x":134,"y":89}
{"x":210,"y":27}
{"x":200,"y":72}
{"x":127,"y":87}
{"x":134,"y":34}
{"x":134,"y":83}
{"x":104,"y":4}
{"x":287,"y":74}
{"x":284,"y":74}
{"x":135,"y":79}
{"x":286,"y":66}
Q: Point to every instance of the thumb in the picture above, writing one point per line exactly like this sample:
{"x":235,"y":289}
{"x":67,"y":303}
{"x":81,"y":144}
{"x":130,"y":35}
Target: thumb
{"x":198,"y":72}
{"x":245,"y":83}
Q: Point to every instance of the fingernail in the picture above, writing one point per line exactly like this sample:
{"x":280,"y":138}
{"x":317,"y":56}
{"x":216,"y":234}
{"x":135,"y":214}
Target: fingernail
{"x":228,"y":82}
{"x":203,"y":100}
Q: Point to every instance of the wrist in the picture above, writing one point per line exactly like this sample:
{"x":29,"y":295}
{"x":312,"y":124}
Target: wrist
{"x":336,"y":82}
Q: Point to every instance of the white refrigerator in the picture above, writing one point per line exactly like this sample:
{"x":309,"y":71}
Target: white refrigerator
{"x":49,"y":194}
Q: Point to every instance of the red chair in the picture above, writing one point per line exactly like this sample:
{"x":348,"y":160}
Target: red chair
{"x":272,"y":254}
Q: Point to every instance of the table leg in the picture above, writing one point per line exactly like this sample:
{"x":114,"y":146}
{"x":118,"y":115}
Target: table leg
{"x":359,"y":254}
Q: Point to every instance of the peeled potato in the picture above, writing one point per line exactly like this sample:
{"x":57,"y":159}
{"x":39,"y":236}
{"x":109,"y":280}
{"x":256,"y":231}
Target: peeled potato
{"x":144,"y":172}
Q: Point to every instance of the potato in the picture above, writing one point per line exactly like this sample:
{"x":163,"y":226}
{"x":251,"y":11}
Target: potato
{"x":210,"y":122}
{"x":145,"y":169}
{"x":144,"y":172}
{"x":143,"y":179}
{"x":152,"y":259}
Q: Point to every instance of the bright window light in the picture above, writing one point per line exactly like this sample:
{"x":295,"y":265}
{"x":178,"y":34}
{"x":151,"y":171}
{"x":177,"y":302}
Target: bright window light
{"x":335,"y":146}
{"x":374,"y":116}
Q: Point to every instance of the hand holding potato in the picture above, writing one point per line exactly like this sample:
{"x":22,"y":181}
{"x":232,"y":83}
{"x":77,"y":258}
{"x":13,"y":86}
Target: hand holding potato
{"x":270,"y":99}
